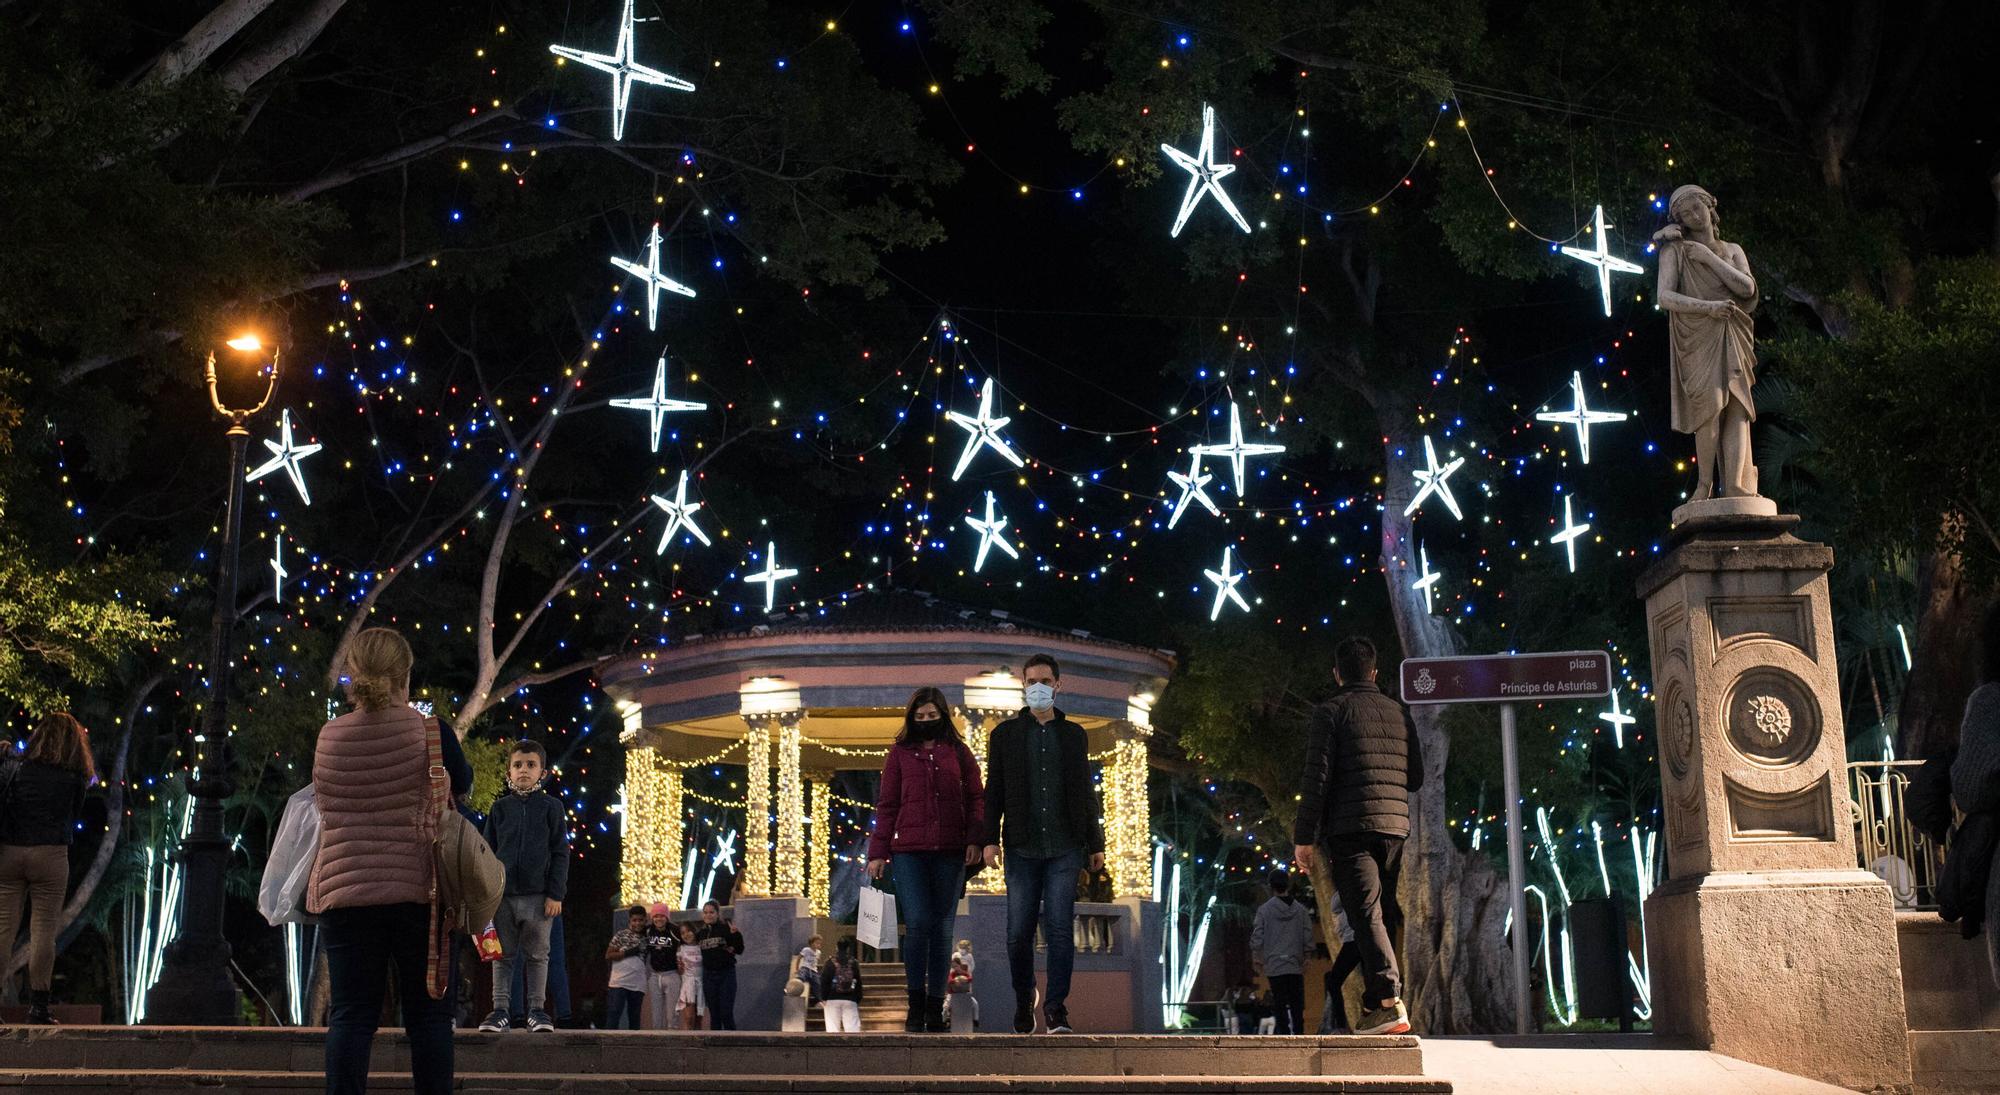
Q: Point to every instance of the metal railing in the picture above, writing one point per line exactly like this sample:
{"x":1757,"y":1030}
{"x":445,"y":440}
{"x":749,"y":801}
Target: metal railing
{"x":1884,"y":840}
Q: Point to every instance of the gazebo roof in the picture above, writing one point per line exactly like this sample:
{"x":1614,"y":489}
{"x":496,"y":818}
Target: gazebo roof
{"x":853,"y":667}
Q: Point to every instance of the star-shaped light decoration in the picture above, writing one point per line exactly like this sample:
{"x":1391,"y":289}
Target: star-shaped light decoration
{"x":1570,"y":531}
{"x":1236,"y":450}
{"x":1618,"y":719}
{"x":680,"y":515}
{"x":1429,"y":578}
{"x":982,"y":431}
{"x":771,"y":575}
{"x":725,"y":852}
{"x":1580,"y":415}
{"x":657,"y":404}
{"x":625,"y":71}
{"x":992,"y":534}
{"x":655,"y":281}
{"x":1225,"y":586}
{"x":1602,"y":258}
{"x":287,"y":455}
{"x":1191,"y":486}
{"x":1205,"y":175}
{"x":1431,"y":479}
{"x":278,"y":571}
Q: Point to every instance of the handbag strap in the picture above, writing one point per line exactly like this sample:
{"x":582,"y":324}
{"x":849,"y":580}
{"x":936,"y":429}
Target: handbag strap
{"x":437,"y":799}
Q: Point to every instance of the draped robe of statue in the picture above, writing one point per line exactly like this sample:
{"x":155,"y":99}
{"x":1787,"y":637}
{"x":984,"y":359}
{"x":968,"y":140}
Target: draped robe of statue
{"x":1714,"y":363}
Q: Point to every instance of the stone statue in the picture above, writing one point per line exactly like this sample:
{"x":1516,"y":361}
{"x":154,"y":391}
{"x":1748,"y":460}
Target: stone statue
{"x":1708,"y":293}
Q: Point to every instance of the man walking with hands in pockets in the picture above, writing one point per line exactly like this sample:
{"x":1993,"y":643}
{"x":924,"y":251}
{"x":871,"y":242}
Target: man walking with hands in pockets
{"x":1040,"y":807}
{"x":1363,"y":762}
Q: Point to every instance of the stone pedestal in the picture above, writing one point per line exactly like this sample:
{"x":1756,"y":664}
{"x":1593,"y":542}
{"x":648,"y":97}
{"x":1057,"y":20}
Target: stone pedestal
{"x":1767,"y":942}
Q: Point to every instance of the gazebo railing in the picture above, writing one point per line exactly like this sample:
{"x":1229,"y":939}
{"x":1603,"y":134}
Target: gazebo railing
{"x":1885,"y":842}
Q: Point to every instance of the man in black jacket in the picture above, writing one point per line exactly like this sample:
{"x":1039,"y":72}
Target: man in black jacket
{"x":1041,"y":807}
{"x":1363,"y":762}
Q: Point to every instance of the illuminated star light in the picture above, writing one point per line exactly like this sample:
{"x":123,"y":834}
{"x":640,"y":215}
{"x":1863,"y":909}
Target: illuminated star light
{"x":1191,"y":486}
{"x":657,"y":404}
{"x":1601,"y":258}
{"x":1225,"y":587}
{"x":624,"y":70}
{"x":1205,"y":175}
{"x":1580,"y":415}
{"x":1431,"y":479}
{"x":680,"y":515}
{"x":278,"y":571}
{"x":1618,"y":719}
{"x":1570,"y":531}
{"x":725,"y":852}
{"x":771,"y":575}
{"x":982,"y":431}
{"x":655,"y":281}
{"x":286,"y":455}
{"x":990,"y":534}
{"x":1236,"y":450}
{"x":1429,"y":579}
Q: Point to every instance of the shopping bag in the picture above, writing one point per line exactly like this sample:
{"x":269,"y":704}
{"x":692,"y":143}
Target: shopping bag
{"x":281,"y":896}
{"x":875,"y":925}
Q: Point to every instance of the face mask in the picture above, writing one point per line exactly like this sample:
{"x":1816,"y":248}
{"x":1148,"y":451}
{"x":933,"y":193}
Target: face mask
{"x":1041,"y":697}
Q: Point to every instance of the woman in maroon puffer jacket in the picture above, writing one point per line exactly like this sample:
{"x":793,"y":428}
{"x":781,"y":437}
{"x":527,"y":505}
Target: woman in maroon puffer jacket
{"x":928,"y":816}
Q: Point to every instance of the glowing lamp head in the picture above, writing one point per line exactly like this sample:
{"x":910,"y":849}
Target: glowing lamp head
{"x":246,"y":343}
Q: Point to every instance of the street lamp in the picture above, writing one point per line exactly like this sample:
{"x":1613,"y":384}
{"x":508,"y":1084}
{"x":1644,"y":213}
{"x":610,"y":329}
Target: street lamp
{"x":194,"y":986}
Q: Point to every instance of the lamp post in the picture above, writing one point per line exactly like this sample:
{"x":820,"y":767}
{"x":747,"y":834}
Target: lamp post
{"x":195,"y":986}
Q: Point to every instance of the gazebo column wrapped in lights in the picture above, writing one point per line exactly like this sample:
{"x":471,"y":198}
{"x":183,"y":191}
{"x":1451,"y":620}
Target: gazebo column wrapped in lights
{"x":797,"y":700}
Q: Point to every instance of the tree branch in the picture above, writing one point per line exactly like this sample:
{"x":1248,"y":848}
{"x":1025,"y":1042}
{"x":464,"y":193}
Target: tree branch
{"x":288,"y":43}
{"x":215,"y":30}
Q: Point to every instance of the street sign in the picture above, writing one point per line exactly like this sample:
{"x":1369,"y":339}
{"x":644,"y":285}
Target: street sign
{"x":1508,"y":678}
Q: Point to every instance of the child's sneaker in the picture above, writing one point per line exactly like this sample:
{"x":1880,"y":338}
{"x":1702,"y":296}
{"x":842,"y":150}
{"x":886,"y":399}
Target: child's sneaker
{"x":1390,"y":1018}
{"x":539,"y":1021}
{"x":495,"y":1022}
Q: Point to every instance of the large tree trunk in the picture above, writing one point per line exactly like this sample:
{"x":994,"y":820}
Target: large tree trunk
{"x":1942,"y":673}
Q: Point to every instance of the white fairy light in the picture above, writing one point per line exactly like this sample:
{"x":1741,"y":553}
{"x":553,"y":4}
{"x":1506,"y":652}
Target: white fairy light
{"x":1570,"y":531}
{"x":649,"y":271}
{"x":982,"y":431}
{"x":991,"y":534}
{"x":1236,"y":450}
{"x":680,"y":515}
{"x":1431,"y":479}
{"x":286,"y":455}
{"x":771,"y":575}
{"x":657,"y":404}
{"x":1225,"y":586}
{"x":278,"y":571}
{"x":625,"y":71}
{"x":1191,"y":486}
{"x":1618,"y":719}
{"x":1580,"y":415}
{"x":1429,"y":581}
{"x":1601,"y":257}
{"x":1205,"y":175}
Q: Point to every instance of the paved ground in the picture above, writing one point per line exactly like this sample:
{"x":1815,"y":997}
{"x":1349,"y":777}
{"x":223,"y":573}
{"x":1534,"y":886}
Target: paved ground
{"x":1600,"y":1064}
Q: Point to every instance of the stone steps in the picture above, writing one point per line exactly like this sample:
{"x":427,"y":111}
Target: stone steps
{"x":159,"y":1059}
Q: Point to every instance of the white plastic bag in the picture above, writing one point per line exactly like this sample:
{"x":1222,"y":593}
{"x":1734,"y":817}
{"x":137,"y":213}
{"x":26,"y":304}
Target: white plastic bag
{"x":875,"y":923}
{"x":281,"y":897}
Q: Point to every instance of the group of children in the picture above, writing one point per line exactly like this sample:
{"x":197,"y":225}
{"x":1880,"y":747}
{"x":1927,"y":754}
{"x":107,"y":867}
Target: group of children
{"x":835,"y":982}
{"x":681,"y":975}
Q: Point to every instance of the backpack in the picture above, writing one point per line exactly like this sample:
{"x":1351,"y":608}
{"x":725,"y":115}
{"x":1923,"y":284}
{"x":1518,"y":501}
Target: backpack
{"x":843,"y":977}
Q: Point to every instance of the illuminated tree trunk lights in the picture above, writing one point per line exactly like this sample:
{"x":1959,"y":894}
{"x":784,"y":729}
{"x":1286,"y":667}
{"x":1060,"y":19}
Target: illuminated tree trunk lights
{"x":654,"y":830}
{"x":756,"y":878}
{"x":789,"y":854}
{"x":819,"y":864}
{"x":1127,"y":815}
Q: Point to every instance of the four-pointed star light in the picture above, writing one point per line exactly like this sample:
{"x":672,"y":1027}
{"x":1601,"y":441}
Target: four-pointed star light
{"x":1602,"y":258}
{"x":286,"y":455}
{"x":992,"y":533}
{"x":1580,"y":415}
{"x":649,"y":271}
{"x":982,"y":431}
{"x":1431,"y":479}
{"x":771,"y":575}
{"x":625,"y":71}
{"x":1429,"y":579}
{"x":1618,"y":719}
{"x":1236,"y":450}
{"x":1205,"y":175}
{"x":657,"y":404}
{"x":1568,"y":536}
{"x":680,"y":515}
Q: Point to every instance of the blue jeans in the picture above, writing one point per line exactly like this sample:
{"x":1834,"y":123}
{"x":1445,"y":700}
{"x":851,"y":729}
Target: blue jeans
{"x":928,"y":885}
{"x":1044,"y":887}
{"x":360,"y":944}
{"x":718,"y":986}
{"x":621,"y":1011}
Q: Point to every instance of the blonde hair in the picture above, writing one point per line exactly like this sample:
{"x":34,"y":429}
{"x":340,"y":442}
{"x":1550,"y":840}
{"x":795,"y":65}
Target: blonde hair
{"x":378,"y":664}
{"x":60,"y":740}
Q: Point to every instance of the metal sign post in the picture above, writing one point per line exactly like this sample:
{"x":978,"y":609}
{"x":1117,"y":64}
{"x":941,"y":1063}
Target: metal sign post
{"x":1507,"y":679}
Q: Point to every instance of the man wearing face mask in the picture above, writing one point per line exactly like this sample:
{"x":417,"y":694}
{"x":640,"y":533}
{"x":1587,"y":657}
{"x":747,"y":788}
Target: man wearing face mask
{"x":1041,"y":808}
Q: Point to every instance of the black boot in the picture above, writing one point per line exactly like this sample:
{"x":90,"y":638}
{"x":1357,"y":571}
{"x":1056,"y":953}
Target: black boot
{"x":38,"y":1009}
{"x":934,"y":1020}
{"x":914,"y":1022}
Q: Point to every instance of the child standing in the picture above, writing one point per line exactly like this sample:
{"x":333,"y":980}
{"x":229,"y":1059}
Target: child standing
{"x":530,"y":836}
{"x":694,"y":1005}
{"x":842,"y":978}
{"x":626,"y":990}
{"x":720,"y":943}
{"x":663,"y":970}
{"x":809,"y":959}
{"x":958,"y":983}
